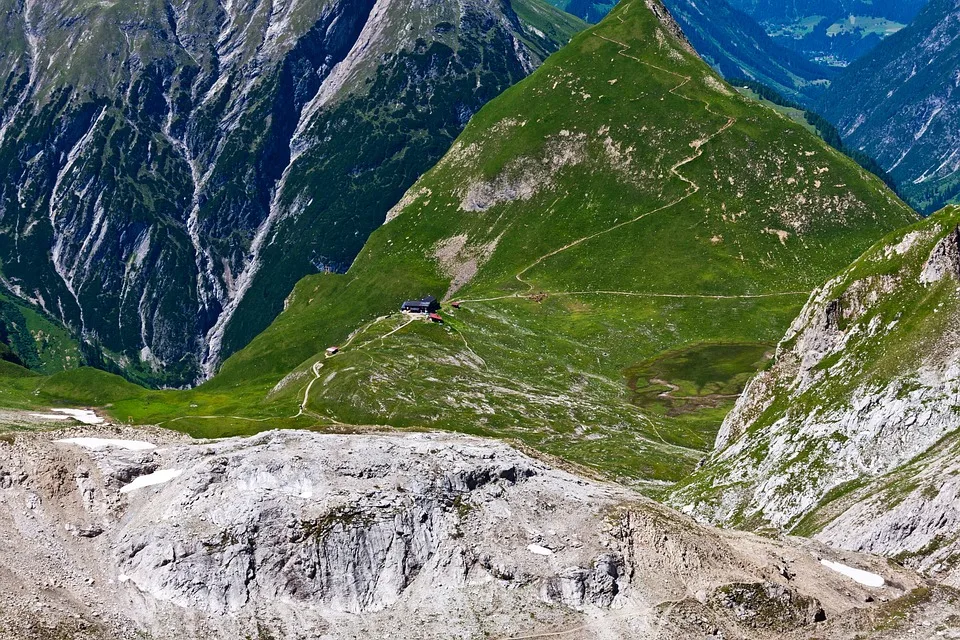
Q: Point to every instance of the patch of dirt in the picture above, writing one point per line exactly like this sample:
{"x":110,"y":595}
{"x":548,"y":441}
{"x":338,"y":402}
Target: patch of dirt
{"x":460,"y":260}
{"x":524,"y":177}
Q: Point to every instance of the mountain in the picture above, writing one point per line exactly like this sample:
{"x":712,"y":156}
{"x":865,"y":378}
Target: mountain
{"x":835,"y":32}
{"x":733,"y":43}
{"x":628,"y":236}
{"x":139,"y":534}
{"x":737,"y":47}
{"x":172,"y":169}
{"x":851,"y":435}
{"x":900,"y":105}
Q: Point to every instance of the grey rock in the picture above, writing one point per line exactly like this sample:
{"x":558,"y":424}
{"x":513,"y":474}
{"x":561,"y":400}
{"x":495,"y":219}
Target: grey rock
{"x":300,"y":534}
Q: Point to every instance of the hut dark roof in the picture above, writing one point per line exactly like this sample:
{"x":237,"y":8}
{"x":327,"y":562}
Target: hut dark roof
{"x":425,"y":304}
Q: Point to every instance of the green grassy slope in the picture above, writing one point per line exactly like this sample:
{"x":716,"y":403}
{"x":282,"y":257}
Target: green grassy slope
{"x":619,"y":216}
{"x":35,"y":340}
{"x":863,"y":386}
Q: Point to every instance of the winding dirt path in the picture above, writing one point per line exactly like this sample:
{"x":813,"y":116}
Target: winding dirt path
{"x":318,"y":365}
{"x":675,"y":169}
{"x":692,"y":189}
{"x":306,"y":394}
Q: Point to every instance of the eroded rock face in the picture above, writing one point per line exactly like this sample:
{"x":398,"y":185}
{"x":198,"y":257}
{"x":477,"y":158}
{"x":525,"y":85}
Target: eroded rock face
{"x":302,"y":535}
{"x":944,"y":260}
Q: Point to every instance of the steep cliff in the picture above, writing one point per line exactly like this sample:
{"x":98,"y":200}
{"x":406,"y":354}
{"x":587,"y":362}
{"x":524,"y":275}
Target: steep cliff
{"x":124,"y":533}
{"x":851,"y":433}
{"x":172,"y":169}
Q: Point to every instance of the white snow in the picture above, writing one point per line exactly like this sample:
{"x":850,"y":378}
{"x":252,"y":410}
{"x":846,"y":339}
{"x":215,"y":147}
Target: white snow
{"x":540,"y":551}
{"x":157,"y":477}
{"x":49,"y":416}
{"x":861,"y":576}
{"x":104,"y":443}
{"x":81,"y":415}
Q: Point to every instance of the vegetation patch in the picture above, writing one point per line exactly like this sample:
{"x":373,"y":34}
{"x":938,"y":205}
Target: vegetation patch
{"x":344,"y":517}
{"x":696,"y":377}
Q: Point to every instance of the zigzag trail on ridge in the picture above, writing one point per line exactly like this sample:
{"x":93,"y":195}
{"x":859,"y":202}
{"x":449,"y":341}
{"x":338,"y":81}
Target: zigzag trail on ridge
{"x":675,"y":170}
{"x":692,"y":189}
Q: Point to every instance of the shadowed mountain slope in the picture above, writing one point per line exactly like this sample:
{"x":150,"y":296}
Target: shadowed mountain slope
{"x":900,"y":105}
{"x":172,"y":169}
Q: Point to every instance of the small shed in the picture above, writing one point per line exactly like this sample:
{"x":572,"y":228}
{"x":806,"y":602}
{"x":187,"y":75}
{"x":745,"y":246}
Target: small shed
{"x":426,"y":304}
{"x":455,"y":305}
{"x":331,"y":351}
{"x":435,"y":317}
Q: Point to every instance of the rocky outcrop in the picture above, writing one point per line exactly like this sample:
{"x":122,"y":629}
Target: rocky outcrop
{"x":944,"y":260}
{"x":913,"y":515}
{"x":765,"y":605}
{"x":839,"y":438}
{"x":297,"y":534}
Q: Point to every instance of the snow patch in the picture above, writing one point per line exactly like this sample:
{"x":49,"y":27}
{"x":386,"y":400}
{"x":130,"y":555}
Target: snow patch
{"x":859,"y":575}
{"x":81,"y":415}
{"x":539,"y":550}
{"x":151,"y":479}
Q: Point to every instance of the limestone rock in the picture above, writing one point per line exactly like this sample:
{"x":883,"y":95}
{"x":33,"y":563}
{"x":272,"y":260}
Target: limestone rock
{"x":304,"y":535}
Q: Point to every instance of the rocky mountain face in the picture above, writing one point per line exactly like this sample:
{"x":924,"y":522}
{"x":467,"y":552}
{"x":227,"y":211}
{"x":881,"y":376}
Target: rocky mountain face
{"x":900,"y":105}
{"x":119,"y":533}
{"x":851,"y":435}
{"x":172,"y":169}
